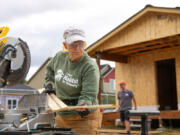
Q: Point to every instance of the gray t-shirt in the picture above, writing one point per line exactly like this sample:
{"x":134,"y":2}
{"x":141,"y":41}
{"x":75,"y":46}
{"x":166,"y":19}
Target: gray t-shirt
{"x":125,"y":99}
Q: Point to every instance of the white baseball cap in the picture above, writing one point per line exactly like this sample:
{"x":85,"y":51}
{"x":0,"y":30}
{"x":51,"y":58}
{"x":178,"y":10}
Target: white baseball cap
{"x":73,"y":34}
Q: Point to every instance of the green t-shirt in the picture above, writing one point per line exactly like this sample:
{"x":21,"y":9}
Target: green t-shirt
{"x":79,"y":80}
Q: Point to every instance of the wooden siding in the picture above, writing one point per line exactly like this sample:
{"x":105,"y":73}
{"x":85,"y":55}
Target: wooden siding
{"x":140,"y":75}
{"x":150,"y":26}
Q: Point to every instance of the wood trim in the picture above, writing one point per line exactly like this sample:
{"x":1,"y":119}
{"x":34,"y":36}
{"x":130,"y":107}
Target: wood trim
{"x":109,"y":118}
{"x":122,"y":132}
{"x":98,"y":61}
{"x":145,"y":49}
{"x":14,"y":94}
{"x":114,"y":57}
{"x":143,"y":44}
{"x":165,"y":10}
{"x":170,"y":114}
{"x":158,"y":50}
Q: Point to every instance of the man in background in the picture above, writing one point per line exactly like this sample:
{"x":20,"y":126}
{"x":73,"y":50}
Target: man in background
{"x":125,"y":97}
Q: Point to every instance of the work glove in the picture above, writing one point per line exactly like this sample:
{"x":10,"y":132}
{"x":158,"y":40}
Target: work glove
{"x":84,"y":113}
{"x":49,"y":89}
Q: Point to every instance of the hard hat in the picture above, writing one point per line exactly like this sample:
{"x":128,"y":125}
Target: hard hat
{"x":122,"y":82}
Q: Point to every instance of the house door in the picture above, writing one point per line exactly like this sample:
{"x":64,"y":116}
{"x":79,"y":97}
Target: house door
{"x":166,"y":84}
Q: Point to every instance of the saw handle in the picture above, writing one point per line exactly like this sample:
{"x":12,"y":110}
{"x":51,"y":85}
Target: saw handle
{"x":4,"y":71}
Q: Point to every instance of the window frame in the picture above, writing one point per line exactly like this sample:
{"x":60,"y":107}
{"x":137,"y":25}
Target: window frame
{"x":11,"y":106}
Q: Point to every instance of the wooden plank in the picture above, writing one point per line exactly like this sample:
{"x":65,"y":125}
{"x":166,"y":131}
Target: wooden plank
{"x":14,"y":94}
{"x":154,"y":117}
{"x":114,"y":131}
{"x":132,"y":46}
{"x":154,"y":47}
{"x":109,"y":118}
{"x":58,"y":101}
{"x":114,"y":57}
{"x":52,"y":105}
{"x":170,"y":114}
{"x":98,"y":61}
{"x":157,"y":50}
{"x":56,"y":105}
{"x":143,"y":44}
{"x":87,"y":107}
{"x":123,"y":131}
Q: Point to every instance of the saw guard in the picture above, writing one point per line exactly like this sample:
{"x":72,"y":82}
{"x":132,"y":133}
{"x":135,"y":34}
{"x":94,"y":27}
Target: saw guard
{"x":16,"y":76}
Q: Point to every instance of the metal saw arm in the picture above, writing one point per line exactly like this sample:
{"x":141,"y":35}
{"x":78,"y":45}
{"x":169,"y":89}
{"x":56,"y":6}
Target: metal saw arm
{"x":15,"y":59}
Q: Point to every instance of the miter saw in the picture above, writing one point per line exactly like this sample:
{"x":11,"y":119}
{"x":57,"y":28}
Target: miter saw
{"x":15,"y":59}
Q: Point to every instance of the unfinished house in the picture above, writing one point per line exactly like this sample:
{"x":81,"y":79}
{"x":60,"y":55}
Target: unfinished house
{"x":146,"y":51}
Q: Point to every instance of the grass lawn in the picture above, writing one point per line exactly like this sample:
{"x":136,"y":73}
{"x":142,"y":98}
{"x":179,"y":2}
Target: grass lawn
{"x":171,"y":131}
{"x":113,"y":130}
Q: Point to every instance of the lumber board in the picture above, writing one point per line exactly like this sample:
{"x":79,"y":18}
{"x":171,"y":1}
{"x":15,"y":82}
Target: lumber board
{"x":56,"y":105}
{"x":40,"y":90}
{"x":51,"y":104}
{"x":157,"y":50}
{"x":58,"y":101}
{"x":123,"y":131}
{"x":114,"y":57}
{"x":170,"y":114}
{"x":87,"y":107}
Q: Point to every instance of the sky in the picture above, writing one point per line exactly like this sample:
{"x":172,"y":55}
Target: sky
{"x":41,"y":23}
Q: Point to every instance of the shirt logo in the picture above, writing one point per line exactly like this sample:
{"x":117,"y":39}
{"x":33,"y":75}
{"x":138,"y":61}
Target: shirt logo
{"x":59,"y":75}
{"x":66,"y":78}
{"x":126,"y":94}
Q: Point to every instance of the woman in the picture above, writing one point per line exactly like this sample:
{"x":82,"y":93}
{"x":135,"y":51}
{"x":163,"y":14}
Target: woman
{"x":75,"y":78}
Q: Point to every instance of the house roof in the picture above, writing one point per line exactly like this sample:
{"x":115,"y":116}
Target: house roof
{"x":44,"y":64}
{"x":18,"y":89}
{"x":146,"y":9}
{"x":102,"y":66}
{"x":107,"y":69}
{"x":107,"y":72}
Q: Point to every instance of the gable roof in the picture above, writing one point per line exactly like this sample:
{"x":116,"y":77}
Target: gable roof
{"x":19,"y":88}
{"x":103,"y":65}
{"x":146,"y":9}
{"x":44,"y":64}
{"x":107,"y":72}
{"x":105,"y":69}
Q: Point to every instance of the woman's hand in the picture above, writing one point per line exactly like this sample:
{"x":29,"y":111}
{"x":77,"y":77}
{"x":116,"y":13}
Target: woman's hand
{"x":117,"y":110}
{"x":83,"y":111}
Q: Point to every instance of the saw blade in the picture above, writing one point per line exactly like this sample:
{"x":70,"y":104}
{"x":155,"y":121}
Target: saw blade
{"x":16,"y":74}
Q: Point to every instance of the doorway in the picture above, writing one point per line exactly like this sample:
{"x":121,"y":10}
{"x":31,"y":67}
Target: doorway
{"x":166,"y":84}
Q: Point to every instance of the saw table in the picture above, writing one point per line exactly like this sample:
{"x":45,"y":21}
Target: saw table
{"x":35,"y":114}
